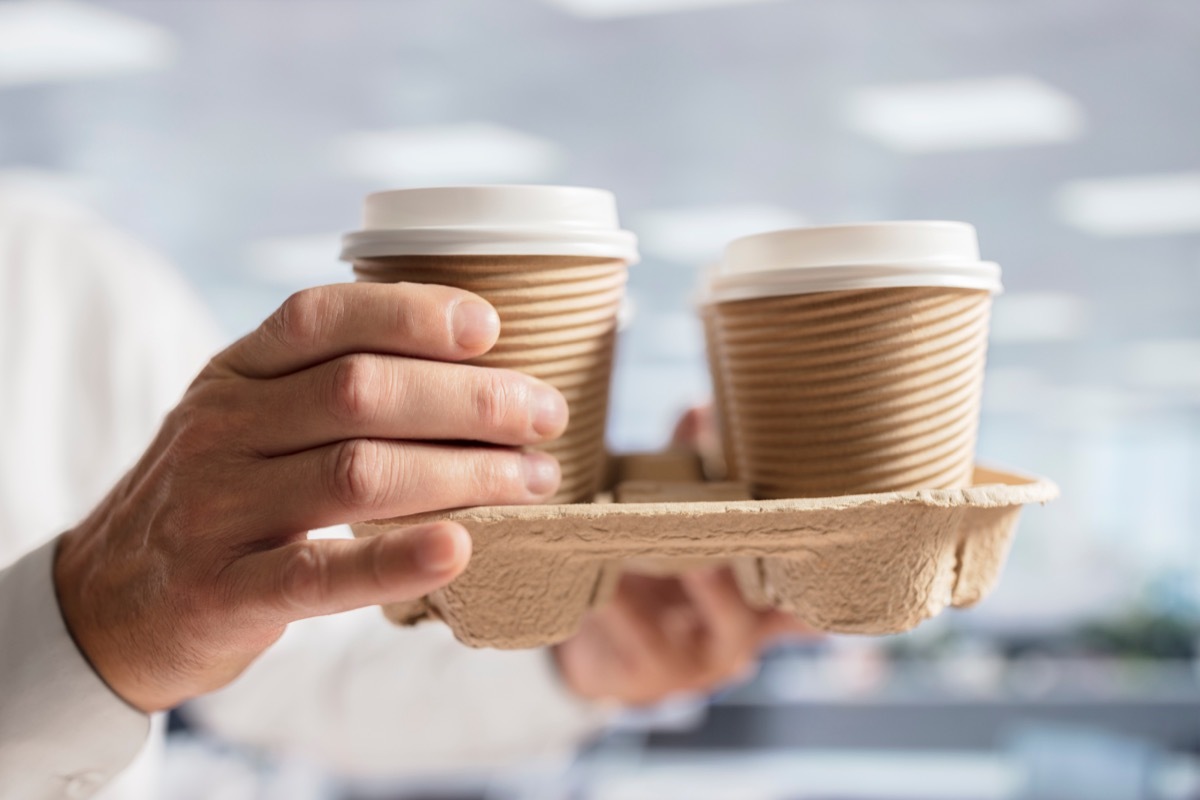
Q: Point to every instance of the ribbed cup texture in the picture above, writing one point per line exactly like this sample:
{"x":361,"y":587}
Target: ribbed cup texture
{"x":853,"y":392}
{"x":712,"y":346}
{"x":558,"y":322}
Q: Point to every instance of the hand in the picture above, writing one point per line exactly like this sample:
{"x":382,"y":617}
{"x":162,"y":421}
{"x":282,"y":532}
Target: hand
{"x":661,"y":636}
{"x":329,"y":413}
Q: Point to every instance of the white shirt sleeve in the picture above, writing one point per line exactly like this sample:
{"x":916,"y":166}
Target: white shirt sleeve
{"x":63,"y":732}
{"x":371,"y":699}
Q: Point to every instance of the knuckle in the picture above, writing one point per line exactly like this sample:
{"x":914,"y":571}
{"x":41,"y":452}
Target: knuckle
{"x":376,"y":553}
{"x":215,"y":415}
{"x":353,"y":392}
{"x":197,"y":427}
{"x":302,"y":318}
{"x":502,"y":403}
{"x":305,"y":577}
{"x":355,"y":475}
{"x":497,"y":476}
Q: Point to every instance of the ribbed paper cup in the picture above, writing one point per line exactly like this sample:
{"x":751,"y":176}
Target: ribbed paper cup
{"x":553,"y":262}
{"x":564,"y":334}
{"x":712,"y":348}
{"x":870,"y":388}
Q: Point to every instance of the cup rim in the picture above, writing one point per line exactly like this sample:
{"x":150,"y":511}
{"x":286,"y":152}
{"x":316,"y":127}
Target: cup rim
{"x":978,"y":275}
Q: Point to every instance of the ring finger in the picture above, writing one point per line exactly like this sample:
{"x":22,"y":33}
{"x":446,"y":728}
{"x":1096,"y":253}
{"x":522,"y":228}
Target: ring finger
{"x":364,"y":479}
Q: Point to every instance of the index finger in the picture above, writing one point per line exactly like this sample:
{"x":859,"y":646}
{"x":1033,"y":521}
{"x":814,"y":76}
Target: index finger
{"x":403,"y":319}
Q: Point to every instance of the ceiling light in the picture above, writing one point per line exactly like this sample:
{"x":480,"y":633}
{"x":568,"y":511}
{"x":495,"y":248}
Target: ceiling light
{"x":1136,"y":205}
{"x":57,"y":40}
{"x":477,"y":152}
{"x":1008,"y":111}
{"x":1019,"y":317}
{"x":698,"y":235}
{"x":607,"y":9}
{"x":298,"y":261}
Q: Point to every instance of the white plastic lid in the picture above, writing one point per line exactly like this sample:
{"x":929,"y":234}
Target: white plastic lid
{"x":858,"y":256}
{"x":491,"y":220}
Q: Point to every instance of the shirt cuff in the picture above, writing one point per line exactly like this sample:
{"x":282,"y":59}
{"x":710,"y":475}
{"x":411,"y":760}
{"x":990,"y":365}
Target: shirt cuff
{"x":63,"y":732}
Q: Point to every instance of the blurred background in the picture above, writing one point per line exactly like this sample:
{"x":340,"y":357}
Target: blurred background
{"x":238,"y":136}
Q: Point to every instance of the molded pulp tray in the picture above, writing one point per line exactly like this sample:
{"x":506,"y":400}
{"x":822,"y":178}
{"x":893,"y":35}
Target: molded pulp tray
{"x":878,"y":563}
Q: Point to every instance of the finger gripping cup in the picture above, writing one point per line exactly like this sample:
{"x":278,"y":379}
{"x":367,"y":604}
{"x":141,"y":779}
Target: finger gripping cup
{"x":553,"y":263}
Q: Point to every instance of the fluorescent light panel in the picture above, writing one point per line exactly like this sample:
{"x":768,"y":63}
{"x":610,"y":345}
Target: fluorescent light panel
{"x":475,"y":152}
{"x":609,"y":9}
{"x":1136,"y":205}
{"x":698,"y":235}
{"x":1005,"y":111}
{"x":58,"y":40}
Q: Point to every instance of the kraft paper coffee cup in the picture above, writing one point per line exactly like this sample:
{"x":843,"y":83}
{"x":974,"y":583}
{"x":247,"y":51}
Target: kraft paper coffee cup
{"x":712,"y":347}
{"x":851,"y":357}
{"x":553,"y":261}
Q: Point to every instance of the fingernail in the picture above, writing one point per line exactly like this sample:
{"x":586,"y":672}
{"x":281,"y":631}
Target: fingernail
{"x":541,"y":473}
{"x":440,"y":549}
{"x":476,"y":325}
{"x":549,"y":411}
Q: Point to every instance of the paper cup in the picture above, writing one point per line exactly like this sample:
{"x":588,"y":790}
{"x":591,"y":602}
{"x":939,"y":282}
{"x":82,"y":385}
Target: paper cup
{"x":847,"y":378}
{"x":712,"y":348}
{"x":553,"y":263}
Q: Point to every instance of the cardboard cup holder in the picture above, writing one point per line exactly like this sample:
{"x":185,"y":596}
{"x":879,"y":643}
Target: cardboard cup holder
{"x":868,"y":563}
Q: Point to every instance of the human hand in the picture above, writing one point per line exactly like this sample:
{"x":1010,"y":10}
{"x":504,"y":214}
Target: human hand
{"x":337,"y":409}
{"x":662,"y":636}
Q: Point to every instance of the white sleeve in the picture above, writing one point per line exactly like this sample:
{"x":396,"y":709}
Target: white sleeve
{"x":371,"y":699}
{"x":63,"y":732}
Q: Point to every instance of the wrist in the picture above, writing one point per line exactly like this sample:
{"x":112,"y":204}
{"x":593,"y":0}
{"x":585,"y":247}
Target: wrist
{"x":80,"y":596}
